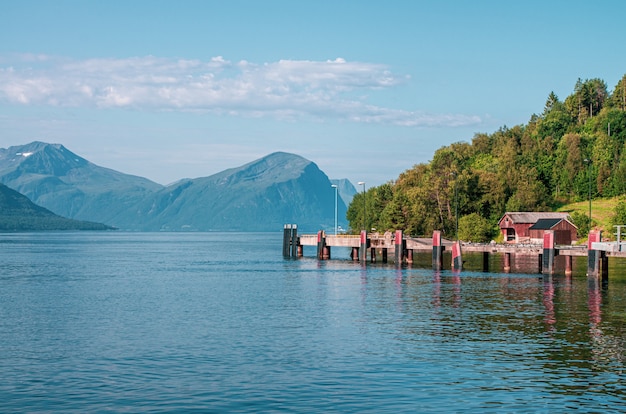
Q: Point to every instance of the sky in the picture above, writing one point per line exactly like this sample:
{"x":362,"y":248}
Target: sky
{"x":365,"y":89}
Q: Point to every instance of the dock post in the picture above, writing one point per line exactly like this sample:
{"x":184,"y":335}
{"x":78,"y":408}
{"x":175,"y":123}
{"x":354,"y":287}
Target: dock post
{"x":286,"y":240}
{"x":486,"y":262}
{"x":605,"y":266}
{"x":373,"y":255}
{"x":355,"y":254}
{"x":547,"y":264}
{"x":397,"y":242}
{"x":568,"y":265}
{"x":593,"y":256}
{"x":409,"y":256}
{"x":437,"y":251}
{"x":457,"y":260}
{"x":507,"y":262}
{"x":295,"y":249}
{"x":322,"y":253}
{"x":363,"y":248}
{"x":384,"y":255}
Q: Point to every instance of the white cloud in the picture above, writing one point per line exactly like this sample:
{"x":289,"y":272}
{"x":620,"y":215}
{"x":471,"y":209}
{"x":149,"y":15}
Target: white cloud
{"x":283,"y":89}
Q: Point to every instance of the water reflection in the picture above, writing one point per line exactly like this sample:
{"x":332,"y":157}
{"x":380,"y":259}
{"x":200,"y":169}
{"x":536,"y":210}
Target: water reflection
{"x":548,"y":303}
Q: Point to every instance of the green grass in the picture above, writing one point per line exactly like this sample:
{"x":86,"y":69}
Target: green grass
{"x":602,"y":212}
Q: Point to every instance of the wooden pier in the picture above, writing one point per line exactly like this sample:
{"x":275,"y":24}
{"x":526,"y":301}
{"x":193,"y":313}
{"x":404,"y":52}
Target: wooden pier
{"x":403,"y":248}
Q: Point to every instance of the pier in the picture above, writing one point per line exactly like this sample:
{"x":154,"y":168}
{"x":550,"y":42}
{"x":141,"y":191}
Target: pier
{"x":403,"y":248}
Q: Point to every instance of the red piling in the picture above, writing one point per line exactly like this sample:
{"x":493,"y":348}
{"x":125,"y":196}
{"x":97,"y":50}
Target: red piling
{"x":593,"y":256}
{"x":437,"y":251}
{"x":547,"y":263}
{"x":457,"y":260}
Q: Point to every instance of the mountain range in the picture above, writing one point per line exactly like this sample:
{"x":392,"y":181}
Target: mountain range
{"x":262,"y":195}
{"x":18,"y":213}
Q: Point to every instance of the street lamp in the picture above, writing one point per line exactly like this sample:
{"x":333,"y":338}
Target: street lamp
{"x":335,"y":187}
{"x":588,"y":162}
{"x":364,"y":221}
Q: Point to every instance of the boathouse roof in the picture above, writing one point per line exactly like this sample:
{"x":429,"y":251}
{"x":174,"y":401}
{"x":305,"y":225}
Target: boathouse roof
{"x":545,"y":224}
{"x":533,"y":217}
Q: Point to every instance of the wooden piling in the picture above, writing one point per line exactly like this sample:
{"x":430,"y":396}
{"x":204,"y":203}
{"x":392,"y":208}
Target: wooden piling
{"x":485,"y":261}
{"x":457,"y":260}
{"x":355,"y":254}
{"x":593,"y":256}
{"x":290,"y":241}
{"x":398,"y":244}
{"x":409,"y":256}
{"x":437,"y":251}
{"x":507,"y":262}
{"x":568,"y":265}
{"x":321,"y":245}
{"x":294,"y":241}
{"x":286,"y":240}
{"x":547,"y":263}
{"x":363,"y":248}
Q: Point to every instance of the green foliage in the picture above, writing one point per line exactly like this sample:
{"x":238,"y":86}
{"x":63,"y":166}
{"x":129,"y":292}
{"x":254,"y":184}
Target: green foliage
{"x":581,"y":221}
{"x":474,"y":228}
{"x":574,"y":149}
{"x":619,"y":218}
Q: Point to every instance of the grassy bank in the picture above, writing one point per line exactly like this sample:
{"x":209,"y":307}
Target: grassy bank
{"x":602,"y":212}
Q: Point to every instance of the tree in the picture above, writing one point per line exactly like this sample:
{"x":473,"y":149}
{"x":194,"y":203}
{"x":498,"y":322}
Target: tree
{"x":474,"y":228}
{"x":619,"y":214}
{"x":581,"y":221}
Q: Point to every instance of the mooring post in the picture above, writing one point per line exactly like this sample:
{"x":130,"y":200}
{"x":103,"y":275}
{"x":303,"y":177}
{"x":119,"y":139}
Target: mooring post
{"x":321,"y":245}
{"x":286,"y":240}
{"x":568,"y":265}
{"x":384,"y":252}
{"x":296,"y":251}
{"x":355,"y":254}
{"x":409,"y":256}
{"x":547,"y":263}
{"x":593,"y":256}
{"x":457,"y":260}
{"x":363,"y":248}
{"x":605,"y":266}
{"x":507,"y":262}
{"x":397,"y":242}
{"x":437,"y":251}
{"x":485,"y":262}
{"x":373,"y":254}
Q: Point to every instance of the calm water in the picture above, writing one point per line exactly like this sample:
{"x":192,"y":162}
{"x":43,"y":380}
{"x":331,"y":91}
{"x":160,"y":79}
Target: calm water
{"x":124,"y":322}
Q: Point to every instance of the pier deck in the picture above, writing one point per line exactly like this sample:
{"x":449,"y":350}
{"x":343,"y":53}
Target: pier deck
{"x":403,"y":247}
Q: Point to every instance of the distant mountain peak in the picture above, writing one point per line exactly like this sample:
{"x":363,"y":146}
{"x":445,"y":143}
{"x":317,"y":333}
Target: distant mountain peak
{"x":41,"y":158}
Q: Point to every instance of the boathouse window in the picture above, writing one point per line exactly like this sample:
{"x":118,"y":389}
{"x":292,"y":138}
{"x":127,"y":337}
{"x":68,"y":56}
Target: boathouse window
{"x":510,"y":234}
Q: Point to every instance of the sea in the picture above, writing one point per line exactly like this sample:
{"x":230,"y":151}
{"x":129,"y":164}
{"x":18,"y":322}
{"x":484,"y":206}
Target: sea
{"x":222,"y":323}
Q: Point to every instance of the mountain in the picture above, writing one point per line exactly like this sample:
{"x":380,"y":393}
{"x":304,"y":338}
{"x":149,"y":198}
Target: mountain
{"x":54,"y":177}
{"x":346,"y":190}
{"x":260,"y":196}
{"x":18,"y":213}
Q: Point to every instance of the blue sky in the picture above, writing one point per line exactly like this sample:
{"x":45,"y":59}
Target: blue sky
{"x":365,"y":89}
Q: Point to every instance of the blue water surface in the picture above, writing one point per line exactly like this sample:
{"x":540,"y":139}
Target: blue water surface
{"x":220,"y":322}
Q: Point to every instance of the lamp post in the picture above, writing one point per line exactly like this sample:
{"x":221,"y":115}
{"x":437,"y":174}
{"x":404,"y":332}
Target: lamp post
{"x":364,"y":220}
{"x":335,"y":187}
{"x":588,"y":162}
{"x":456,"y":207}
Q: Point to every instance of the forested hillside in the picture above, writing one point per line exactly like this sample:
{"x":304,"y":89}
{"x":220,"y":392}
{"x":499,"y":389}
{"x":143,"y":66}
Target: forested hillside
{"x":574,"y":147}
